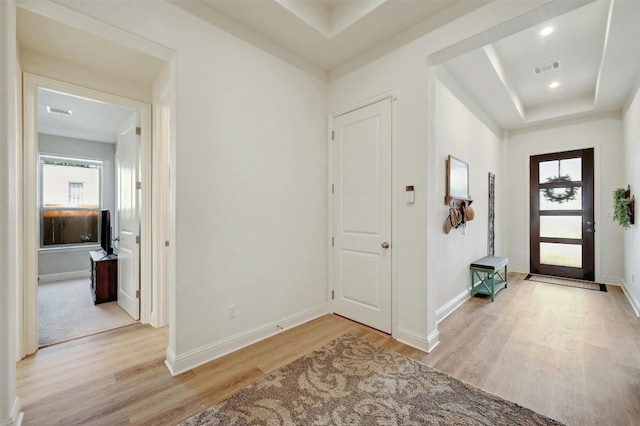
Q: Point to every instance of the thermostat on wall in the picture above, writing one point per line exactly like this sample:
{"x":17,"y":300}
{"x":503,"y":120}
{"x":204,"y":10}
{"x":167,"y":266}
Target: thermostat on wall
{"x":410,"y":194}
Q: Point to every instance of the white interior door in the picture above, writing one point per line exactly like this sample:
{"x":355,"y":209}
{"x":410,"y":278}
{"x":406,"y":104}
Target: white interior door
{"x":128,"y":216}
{"x":362,"y":215}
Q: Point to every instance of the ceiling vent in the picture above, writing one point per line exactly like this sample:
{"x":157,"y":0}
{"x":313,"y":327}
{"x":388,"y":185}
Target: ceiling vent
{"x":547,"y":67}
{"x":59,"y":111}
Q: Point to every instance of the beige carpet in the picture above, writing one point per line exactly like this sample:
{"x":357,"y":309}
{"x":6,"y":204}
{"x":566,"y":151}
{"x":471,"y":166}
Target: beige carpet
{"x":352,"y":382}
{"x":66,"y":311}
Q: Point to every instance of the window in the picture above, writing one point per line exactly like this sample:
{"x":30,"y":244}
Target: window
{"x":70,"y":194}
{"x":75,"y":193}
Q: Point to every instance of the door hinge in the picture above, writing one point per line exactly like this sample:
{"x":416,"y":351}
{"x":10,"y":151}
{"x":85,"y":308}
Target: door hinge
{"x":137,"y":239}
{"x":137,"y":294}
{"x":138,"y":131}
{"x":138,"y":185}
{"x":333,"y":135}
{"x":333,"y":296}
{"x":333,"y":241}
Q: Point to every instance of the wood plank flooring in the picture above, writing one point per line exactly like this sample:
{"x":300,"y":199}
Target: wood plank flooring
{"x":119,"y":377}
{"x":569,"y":353}
{"x":572,"y":354}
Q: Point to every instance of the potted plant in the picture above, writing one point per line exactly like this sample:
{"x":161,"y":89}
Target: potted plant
{"x":623,"y":207}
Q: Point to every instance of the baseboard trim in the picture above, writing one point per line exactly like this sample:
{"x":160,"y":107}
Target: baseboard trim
{"x":16,"y":416}
{"x":633,"y":301}
{"x":64,"y":276}
{"x":417,"y":340}
{"x":519,"y":269}
{"x":170,"y":361}
{"x":453,"y":304}
{"x":611,"y":281}
{"x":178,"y":364}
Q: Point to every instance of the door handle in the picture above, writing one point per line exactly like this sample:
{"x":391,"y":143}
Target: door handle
{"x":589,"y":230}
{"x":116,"y":238}
{"x":385,"y":245}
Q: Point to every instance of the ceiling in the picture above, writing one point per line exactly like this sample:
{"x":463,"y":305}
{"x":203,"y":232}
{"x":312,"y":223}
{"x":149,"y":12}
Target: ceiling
{"x":599,"y":62}
{"x":598,"y":67}
{"x":89,"y":120}
{"x":325,"y":33}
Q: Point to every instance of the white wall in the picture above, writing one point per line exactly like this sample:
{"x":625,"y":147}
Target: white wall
{"x":56,"y":264}
{"x":419,"y":161}
{"x":631,"y":152}
{"x":605,"y":135}
{"x":461,"y":134}
{"x":10,"y":221}
{"x":62,"y":70}
{"x":250,"y":180}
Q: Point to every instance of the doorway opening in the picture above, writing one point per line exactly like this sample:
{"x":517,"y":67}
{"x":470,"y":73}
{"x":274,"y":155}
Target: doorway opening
{"x":138,"y":169}
{"x":77,"y":195}
{"x":562,"y":214}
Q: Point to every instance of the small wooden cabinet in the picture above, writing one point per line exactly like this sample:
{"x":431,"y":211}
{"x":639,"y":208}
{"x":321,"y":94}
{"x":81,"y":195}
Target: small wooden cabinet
{"x":104,"y":276}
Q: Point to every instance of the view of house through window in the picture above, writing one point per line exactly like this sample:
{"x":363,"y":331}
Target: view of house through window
{"x":70,"y":200}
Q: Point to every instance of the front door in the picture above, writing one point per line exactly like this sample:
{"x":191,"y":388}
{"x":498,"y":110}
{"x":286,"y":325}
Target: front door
{"x":562,"y":221}
{"x":362,"y":215}
{"x":128,"y":216}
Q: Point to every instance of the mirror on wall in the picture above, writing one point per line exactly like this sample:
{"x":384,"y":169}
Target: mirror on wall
{"x":457,"y":180}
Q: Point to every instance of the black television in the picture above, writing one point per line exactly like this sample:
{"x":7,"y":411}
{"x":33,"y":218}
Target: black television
{"x":105,"y":231}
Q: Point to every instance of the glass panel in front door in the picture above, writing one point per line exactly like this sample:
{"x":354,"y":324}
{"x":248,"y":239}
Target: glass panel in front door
{"x":561,"y":254}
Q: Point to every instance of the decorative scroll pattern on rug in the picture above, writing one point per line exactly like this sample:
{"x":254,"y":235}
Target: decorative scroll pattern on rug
{"x":352,"y":382}
{"x":588,"y":285}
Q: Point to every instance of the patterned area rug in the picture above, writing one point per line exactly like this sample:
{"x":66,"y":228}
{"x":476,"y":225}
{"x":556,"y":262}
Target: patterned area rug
{"x":352,"y":382}
{"x":589,"y":285}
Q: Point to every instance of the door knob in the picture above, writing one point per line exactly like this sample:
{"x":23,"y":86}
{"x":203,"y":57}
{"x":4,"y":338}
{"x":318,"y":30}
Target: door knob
{"x":116,"y":238}
{"x":385,"y":245}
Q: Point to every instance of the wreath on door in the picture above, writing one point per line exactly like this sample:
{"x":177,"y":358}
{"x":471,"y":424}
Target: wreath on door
{"x":568,"y":194}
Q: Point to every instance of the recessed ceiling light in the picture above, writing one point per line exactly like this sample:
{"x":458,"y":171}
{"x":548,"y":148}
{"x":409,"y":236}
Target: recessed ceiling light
{"x":546,"y":31}
{"x":554,"y":85}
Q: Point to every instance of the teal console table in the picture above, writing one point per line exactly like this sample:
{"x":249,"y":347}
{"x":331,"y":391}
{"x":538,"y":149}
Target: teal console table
{"x":488,"y":275}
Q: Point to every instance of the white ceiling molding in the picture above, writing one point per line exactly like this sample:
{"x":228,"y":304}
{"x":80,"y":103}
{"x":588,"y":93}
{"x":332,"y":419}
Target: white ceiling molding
{"x":593,"y":39}
{"x":594,"y":44}
{"x":333,"y":17}
{"x":493,"y":57}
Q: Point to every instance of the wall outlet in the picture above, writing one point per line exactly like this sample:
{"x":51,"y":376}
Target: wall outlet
{"x":231,"y":311}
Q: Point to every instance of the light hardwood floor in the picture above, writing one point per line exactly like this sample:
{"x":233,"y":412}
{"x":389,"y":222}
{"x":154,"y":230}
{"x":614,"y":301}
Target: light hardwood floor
{"x":572,"y":354}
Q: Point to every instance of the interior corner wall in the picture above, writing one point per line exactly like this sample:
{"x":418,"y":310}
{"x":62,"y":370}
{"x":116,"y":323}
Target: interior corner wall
{"x":605,"y":135}
{"x":19,"y":248}
{"x":10,"y":258}
{"x":250,"y":183}
{"x":631,"y":155}
{"x":463,"y":135}
{"x":163,"y":109}
{"x":58,"y":264}
{"x":406,"y":70}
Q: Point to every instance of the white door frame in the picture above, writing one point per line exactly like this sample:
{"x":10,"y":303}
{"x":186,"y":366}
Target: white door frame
{"x":31,"y":84}
{"x":392,"y":95}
